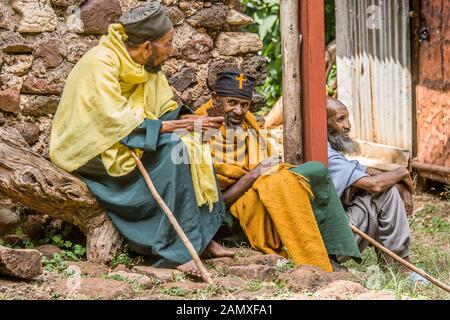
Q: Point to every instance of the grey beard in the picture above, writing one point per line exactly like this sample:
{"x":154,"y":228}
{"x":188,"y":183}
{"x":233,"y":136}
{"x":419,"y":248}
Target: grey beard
{"x":150,"y":67}
{"x":341,"y":143}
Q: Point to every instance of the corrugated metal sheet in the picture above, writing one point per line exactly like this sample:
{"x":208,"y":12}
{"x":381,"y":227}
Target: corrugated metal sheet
{"x":374,"y":63}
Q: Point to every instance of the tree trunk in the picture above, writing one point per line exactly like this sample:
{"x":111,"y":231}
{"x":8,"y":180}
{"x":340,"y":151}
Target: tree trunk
{"x":30,"y":179}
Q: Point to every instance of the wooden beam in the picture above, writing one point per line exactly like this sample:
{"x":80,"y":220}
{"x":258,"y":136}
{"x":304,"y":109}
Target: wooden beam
{"x":292,"y":113}
{"x":313,"y":96}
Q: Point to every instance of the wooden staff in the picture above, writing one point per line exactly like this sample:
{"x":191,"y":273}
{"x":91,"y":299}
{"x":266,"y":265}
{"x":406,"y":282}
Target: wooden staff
{"x":401,"y":260}
{"x":205,"y":275}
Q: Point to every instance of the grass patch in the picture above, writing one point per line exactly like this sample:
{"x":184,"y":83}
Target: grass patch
{"x":430,"y":251}
{"x":254,"y":285}
{"x":175,"y":292}
{"x":55,"y":264}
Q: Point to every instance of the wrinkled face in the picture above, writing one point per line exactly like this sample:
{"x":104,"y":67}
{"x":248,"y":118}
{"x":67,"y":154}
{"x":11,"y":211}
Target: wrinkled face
{"x":153,"y":54}
{"x":338,"y":119}
{"x":162,"y":48}
{"x":234,"y":109}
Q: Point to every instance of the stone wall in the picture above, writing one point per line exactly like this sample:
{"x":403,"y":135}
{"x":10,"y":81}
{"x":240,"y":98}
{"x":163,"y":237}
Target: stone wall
{"x":41,"y":40}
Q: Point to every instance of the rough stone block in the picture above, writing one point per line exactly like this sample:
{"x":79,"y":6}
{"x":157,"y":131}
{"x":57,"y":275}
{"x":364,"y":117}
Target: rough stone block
{"x":236,"y":43}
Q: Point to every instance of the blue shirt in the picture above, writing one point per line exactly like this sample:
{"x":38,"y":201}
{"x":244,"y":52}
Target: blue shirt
{"x":344,"y":172}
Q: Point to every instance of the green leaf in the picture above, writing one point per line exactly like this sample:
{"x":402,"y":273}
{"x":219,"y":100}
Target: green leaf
{"x":57,"y":238}
{"x":67,"y":244}
{"x":266,"y":25}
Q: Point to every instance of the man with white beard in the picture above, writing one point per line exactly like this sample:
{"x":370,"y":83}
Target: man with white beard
{"x":371,"y":198}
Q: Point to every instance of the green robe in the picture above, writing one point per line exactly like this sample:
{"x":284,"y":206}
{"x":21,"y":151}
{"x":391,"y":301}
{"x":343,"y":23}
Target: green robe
{"x":133,"y":210}
{"x":330,"y":215}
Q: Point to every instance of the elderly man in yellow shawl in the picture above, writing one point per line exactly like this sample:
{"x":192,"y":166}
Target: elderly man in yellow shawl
{"x":290,"y":211}
{"x":117,"y":98}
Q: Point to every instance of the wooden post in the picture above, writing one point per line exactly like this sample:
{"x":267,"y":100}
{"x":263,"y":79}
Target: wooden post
{"x":313,"y":96}
{"x":292,"y":112}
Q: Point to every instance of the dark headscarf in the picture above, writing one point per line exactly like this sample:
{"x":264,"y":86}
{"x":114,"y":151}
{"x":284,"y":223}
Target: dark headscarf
{"x":233,"y":83}
{"x":145,"y":23}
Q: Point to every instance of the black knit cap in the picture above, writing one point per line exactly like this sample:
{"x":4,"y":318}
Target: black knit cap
{"x":147,"y":22}
{"x":234,"y":83}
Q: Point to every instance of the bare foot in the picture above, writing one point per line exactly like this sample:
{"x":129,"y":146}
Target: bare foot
{"x":190,"y":268}
{"x":217,"y":251}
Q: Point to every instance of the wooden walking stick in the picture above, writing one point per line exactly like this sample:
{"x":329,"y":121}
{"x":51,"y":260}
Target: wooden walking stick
{"x":401,"y":260}
{"x":205,"y":275}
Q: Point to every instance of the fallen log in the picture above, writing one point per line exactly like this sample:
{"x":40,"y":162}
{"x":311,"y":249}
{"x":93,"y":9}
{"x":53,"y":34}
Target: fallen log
{"x":28,"y":178}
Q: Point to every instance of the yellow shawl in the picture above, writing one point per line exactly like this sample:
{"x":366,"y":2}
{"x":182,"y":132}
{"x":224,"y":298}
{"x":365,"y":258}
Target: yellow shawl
{"x":275,"y":214}
{"x":106,"y":96}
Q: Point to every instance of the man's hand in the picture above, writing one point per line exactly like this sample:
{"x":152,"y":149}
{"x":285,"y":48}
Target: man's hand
{"x":264,"y":166}
{"x":406,"y":196}
{"x":409,"y":183}
{"x":233,"y":193}
{"x":192,"y":121}
{"x":383,"y":181}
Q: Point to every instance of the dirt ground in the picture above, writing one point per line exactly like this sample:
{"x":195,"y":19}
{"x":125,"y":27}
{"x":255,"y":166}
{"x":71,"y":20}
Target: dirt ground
{"x":251,"y":275}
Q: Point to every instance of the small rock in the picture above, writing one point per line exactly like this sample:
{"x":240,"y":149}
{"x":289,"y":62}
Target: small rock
{"x":190,"y":7}
{"x":20,"y":263}
{"x":8,"y":220}
{"x":210,"y":18}
{"x":259,"y":101}
{"x":33,"y":105}
{"x":30,"y":133}
{"x":97,"y":15}
{"x":175,"y":15}
{"x":238,"y":19}
{"x":341,"y":290}
{"x":49,"y":53}
{"x":34,"y":225}
{"x":10,"y":101}
{"x":67,"y":3}
{"x":183,"y":79}
{"x":48,"y":250}
{"x":89,"y":268}
{"x":36,"y":16}
{"x":230,"y":283}
{"x":94,"y":288}
{"x":40,"y":86}
{"x":265,"y":259}
{"x":198,"y":48}
{"x":256,"y":66}
{"x":17,"y":64}
{"x":141,"y":279}
{"x":252,"y":271}
{"x":163,"y":275}
{"x":306,"y":278}
{"x":121,"y":267}
{"x":2,"y":122}
{"x":182,"y":35}
{"x":13,"y":42}
{"x":236,"y":43}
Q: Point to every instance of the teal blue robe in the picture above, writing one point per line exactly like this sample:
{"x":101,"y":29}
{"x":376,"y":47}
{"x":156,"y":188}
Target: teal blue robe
{"x":133,"y":210}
